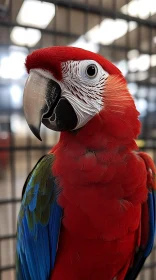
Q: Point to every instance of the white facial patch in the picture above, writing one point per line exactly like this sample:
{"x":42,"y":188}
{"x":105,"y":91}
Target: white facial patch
{"x":83,"y":91}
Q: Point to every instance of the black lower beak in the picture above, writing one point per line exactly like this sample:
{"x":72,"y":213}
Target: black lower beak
{"x":43,"y":103}
{"x":62,"y":118}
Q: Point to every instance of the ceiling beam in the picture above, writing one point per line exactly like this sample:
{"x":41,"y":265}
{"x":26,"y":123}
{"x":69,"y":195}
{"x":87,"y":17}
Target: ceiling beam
{"x":117,"y":47}
{"x":10,"y":24}
{"x":101,"y":11}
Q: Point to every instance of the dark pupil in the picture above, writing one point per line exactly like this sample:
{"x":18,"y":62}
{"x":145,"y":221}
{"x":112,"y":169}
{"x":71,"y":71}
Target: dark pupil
{"x":91,"y":70}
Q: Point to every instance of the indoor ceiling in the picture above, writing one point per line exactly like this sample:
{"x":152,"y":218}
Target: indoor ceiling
{"x":73,"y":20}
{"x":77,"y":22}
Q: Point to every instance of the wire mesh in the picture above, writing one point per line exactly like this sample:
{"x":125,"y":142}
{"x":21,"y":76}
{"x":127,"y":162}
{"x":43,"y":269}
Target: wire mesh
{"x":73,"y":22}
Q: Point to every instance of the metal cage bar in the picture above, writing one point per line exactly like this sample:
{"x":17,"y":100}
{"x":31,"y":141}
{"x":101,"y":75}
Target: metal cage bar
{"x":28,"y":150}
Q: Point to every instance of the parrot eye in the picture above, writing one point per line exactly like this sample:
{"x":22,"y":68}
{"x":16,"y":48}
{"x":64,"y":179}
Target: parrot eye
{"x":91,"y":71}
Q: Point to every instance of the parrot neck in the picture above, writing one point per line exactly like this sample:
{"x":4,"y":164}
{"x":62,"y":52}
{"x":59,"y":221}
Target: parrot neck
{"x":114,"y":128}
{"x":94,"y":150}
{"x":100,"y":135}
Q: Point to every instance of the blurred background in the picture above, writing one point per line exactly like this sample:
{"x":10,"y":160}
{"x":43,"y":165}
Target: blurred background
{"x":121,"y":30}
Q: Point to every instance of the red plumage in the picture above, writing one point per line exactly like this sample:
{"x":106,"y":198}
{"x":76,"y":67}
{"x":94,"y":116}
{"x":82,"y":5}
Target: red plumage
{"x":51,"y":58}
{"x":104,"y":184}
{"x":104,"y":179}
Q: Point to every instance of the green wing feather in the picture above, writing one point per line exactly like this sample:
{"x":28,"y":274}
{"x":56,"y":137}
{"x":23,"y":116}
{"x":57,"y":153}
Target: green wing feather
{"x":40,"y":175}
{"x":39,"y":218}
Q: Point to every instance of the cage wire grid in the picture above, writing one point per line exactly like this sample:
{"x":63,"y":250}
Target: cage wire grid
{"x":72,"y":20}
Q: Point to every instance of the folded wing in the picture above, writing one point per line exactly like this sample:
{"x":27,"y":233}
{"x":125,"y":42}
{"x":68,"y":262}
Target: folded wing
{"x":39,"y":223}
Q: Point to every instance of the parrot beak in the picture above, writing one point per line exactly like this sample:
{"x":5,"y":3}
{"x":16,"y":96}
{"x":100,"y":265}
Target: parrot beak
{"x":43,"y":103}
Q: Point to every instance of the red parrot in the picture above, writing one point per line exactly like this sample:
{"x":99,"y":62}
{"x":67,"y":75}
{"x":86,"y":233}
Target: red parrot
{"x":88,"y":207}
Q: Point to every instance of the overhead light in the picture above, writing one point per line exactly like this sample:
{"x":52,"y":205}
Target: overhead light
{"x":12,"y":66}
{"x":110,"y":30}
{"x":25,"y":36}
{"x":86,"y":44}
{"x":153,"y":60}
{"x":143,"y":62}
{"x":16,"y":96}
{"x":139,"y":63}
{"x":93,"y":34}
{"x":142,"y":75}
{"x":117,"y":28}
{"x":140,"y":8}
{"x":36,"y":13}
{"x":18,"y":124}
{"x":132,"y":54}
{"x":132,"y":64}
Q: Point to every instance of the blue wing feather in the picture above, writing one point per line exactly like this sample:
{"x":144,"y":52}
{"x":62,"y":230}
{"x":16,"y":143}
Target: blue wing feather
{"x":37,"y":246}
{"x":144,"y":252}
{"x":54,"y":227}
{"x":151,"y":209}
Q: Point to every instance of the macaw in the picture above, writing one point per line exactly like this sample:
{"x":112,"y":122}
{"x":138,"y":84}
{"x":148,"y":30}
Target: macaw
{"x":87,"y":209}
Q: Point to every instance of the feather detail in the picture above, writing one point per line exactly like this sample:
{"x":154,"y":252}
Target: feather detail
{"x":151,"y":171}
{"x":39,"y":224}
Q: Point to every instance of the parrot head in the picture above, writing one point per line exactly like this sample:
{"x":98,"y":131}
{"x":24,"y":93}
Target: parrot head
{"x":68,"y":86}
